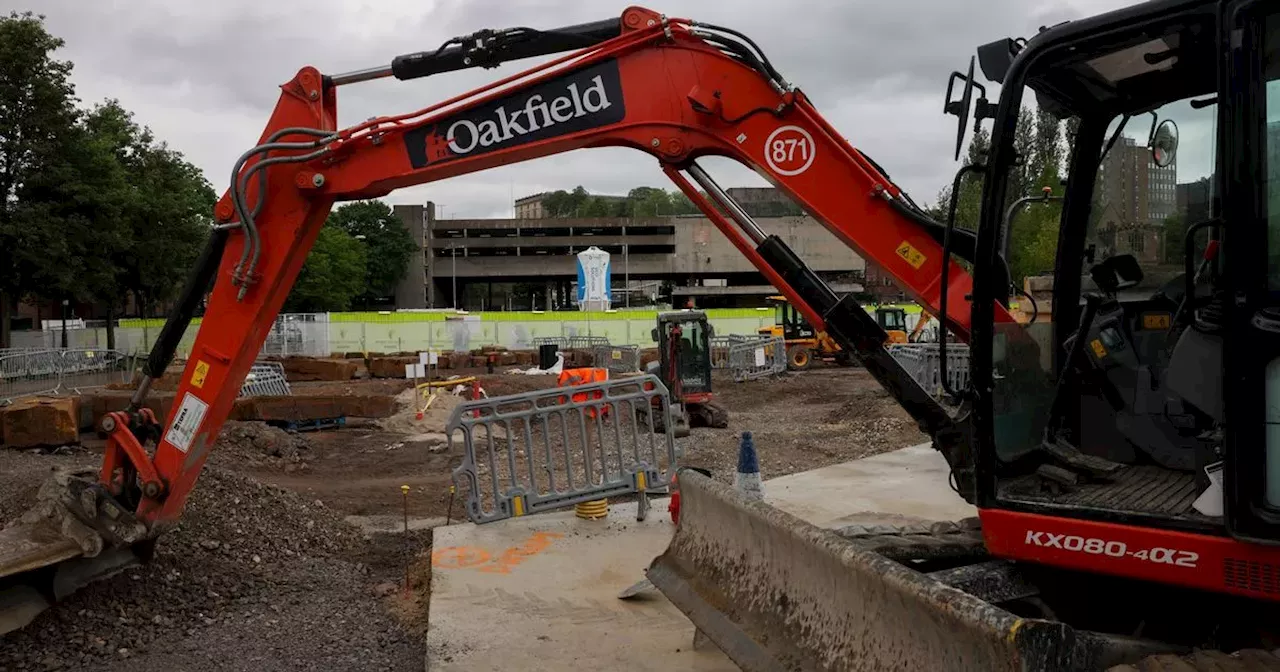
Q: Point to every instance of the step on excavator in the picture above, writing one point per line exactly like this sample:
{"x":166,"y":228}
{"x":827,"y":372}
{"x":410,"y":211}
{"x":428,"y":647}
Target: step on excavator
{"x":1119,"y":454}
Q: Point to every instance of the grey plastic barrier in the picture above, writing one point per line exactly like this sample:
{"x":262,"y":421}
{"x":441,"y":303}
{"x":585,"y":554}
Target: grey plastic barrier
{"x":922,"y":362}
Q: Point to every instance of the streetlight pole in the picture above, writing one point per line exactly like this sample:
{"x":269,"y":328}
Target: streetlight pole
{"x":65,"y":303}
{"x":626,"y":271}
{"x":453,"y":247}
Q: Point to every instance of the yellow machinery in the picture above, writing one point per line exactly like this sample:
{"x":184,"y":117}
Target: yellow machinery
{"x":804,"y":343}
{"x":893,"y":319}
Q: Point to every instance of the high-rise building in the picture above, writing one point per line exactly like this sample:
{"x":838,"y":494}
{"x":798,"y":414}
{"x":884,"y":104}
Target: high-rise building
{"x":1133,"y":189}
{"x":1135,"y":197}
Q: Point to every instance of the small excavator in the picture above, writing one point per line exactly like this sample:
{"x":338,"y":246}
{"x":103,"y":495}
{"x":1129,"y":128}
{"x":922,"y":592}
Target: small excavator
{"x":1120,"y":456}
{"x":684,"y":366}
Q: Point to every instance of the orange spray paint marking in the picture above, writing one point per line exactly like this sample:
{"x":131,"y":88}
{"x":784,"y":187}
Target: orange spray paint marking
{"x":471,"y":557}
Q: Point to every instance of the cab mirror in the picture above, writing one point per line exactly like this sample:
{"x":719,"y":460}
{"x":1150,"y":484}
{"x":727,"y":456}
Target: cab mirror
{"x":1164,"y":143}
{"x":654,"y":333}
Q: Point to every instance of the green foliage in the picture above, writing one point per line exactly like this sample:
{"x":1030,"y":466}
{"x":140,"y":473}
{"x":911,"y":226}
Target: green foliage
{"x":639,"y":202}
{"x":388,"y":245}
{"x":332,"y":276}
{"x":91,"y":205}
{"x":167,"y":216}
{"x":1175,"y":239}
{"x":36,"y":112}
{"x":1033,"y":234}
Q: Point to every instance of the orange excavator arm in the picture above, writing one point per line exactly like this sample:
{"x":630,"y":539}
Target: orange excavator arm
{"x":672,"y":88}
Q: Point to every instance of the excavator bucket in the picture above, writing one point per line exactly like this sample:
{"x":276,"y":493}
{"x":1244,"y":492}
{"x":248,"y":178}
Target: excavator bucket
{"x":776,"y":593}
{"x":49,"y":552}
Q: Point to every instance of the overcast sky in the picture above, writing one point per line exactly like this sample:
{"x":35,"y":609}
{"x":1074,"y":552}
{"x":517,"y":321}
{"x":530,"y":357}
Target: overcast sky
{"x":204,"y":75}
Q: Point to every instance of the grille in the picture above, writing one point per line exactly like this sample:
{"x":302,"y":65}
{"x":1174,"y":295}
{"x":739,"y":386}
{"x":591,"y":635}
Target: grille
{"x":1251,"y":575}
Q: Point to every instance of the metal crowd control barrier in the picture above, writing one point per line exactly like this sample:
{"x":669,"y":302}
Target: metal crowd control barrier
{"x":921,"y":361}
{"x":720,"y":346}
{"x":617,"y":358}
{"x":29,"y":372}
{"x":755,"y":358}
{"x":266,"y":379}
{"x":572,"y":342}
{"x":550,"y":449}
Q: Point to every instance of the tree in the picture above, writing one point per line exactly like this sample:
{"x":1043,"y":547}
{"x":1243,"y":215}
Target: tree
{"x":969,"y":204}
{"x":332,"y":276}
{"x":36,"y":108}
{"x":166,"y":216}
{"x":387,"y":244}
{"x":1033,"y":233}
{"x":78,"y":201}
{"x":681,"y":205}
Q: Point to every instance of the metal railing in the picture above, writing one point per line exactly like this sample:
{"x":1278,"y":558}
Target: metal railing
{"x":266,"y":379}
{"x":921,"y":361}
{"x":617,"y":358}
{"x":555,"y":448}
{"x":749,"y":357}
{"x":304,"y":334}
{"x":35,"y":371}
{"x":572,"y":342}
{"x":755,"y":358}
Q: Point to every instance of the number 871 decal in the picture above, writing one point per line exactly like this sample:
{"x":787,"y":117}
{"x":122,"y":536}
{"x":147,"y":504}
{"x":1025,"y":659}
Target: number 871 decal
{"x":789,"y":150}
{"x":1114,"y":549}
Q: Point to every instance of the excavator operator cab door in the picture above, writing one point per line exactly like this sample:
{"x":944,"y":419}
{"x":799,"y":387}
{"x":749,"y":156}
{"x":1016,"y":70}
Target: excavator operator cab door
{"x":1142,"y":393}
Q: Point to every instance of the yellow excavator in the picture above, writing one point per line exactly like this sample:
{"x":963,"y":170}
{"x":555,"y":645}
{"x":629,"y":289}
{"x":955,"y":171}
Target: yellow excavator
{"x":804,"y":343}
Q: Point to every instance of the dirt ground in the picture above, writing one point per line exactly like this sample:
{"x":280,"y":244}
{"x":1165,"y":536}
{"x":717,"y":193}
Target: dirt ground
{"x":266,"y":570}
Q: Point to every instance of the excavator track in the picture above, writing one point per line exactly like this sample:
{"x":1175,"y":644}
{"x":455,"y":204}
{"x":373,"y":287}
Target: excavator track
{"x":1247,"y":660}
{"x":962,"y":540}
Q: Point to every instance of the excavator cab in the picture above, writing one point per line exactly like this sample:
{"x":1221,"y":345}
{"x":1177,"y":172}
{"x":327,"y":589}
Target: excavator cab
{"x":893,"y":319}
{"x":1120,"y":447}
{"x":1142,"y":402}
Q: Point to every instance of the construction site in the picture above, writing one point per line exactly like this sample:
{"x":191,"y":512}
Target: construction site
{"x":293,"y":551}
{"x":1055,"y":450}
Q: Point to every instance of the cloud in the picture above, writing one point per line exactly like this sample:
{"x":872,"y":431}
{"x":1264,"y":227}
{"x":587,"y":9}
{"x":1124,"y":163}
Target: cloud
{"x":204,"y":76}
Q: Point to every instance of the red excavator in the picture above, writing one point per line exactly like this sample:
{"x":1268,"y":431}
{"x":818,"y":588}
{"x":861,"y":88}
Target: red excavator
{"x":1118,"y":454}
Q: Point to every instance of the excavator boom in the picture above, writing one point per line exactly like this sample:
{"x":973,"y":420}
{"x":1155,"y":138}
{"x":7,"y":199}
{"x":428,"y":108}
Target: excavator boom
{"x":672,"y":88}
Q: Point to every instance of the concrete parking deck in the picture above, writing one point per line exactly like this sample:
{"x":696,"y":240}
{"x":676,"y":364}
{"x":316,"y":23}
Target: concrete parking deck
{"x":540,"y":592}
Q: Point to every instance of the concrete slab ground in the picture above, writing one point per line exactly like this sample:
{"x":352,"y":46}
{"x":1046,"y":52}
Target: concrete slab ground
{"x":906,"y":485}
{"x":540,"y":593}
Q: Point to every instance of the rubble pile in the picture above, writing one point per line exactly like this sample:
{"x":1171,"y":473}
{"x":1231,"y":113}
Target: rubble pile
{"x":245,"y":555}
{"x":258,"y":444}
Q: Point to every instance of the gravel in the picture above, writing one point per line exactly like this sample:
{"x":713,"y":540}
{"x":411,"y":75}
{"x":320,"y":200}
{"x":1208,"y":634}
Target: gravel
{"x":258,"y":444}
{"x":802,"y":421}
{"x":254,"y":577}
